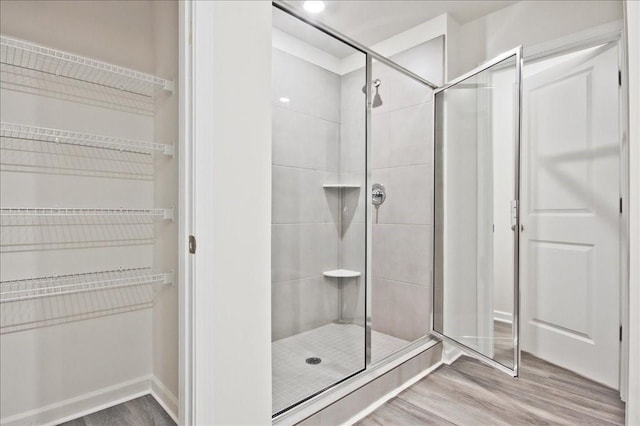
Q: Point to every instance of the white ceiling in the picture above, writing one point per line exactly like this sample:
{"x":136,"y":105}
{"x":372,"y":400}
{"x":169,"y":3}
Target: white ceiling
{"x":308,"y":34}
{"x":370,"y":22}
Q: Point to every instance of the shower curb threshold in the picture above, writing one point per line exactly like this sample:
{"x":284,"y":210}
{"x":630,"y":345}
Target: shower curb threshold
{"x":341,"y":390}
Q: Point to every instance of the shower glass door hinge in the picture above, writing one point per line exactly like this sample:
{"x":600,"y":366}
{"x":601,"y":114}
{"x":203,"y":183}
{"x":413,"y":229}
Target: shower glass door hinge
{"x":514,"y":214}
{"x":620,"y":335}
{"x":192,"y":244}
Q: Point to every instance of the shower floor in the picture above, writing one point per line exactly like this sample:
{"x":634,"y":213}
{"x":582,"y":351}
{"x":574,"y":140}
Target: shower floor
{"x":341,"y":350}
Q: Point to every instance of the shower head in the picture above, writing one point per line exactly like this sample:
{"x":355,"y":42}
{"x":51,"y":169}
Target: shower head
{"x":377,"y":100}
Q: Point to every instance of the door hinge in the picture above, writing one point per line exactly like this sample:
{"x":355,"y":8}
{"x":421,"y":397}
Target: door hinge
{"x":620,"y":205}
{"x":192,"y":244}
{"x":619,"y":78}
{"x":620,"y":333}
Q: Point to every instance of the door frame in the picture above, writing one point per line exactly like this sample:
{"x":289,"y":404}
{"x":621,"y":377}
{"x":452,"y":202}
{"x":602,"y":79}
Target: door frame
{"x":598,"y":46}
{"x":518,"y":53}
{"x":607,"y":33}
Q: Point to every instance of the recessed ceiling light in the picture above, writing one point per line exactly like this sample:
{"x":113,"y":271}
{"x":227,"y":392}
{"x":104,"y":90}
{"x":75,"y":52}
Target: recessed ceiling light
{"x":313,"y":6}
{"x":284,"y":100}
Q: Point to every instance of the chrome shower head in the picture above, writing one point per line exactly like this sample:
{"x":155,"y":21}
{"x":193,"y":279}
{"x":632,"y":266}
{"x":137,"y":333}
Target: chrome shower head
{"x":377,"y":99}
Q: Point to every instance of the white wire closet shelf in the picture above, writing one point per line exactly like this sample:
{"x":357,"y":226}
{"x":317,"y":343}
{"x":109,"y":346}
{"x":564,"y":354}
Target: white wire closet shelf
{"x":34,"y":288}
{"x":27,"y":55}
{"x":63,"y":211}
{"x":43,"y":134}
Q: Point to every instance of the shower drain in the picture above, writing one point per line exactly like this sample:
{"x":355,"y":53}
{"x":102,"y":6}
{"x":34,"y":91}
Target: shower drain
{"x":313,"y":360}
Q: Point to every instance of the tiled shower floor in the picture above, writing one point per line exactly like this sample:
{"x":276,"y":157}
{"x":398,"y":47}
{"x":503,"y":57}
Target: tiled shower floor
{"x":339,"y":346}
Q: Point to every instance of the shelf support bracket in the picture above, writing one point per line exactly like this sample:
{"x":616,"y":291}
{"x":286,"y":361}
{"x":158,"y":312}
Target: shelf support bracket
{"x":169,"y":150}
{"x":169,"y":86}
{"x":168,"y":214}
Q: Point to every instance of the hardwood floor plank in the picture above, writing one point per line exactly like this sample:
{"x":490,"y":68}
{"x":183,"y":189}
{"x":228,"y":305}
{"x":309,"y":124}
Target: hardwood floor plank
{"x":142,"y":411}
{"x":402,"y":413}
{"x":471,"y":393}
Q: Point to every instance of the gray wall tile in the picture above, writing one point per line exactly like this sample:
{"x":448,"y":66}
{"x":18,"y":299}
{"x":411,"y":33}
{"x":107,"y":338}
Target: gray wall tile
{"x":295,"y":195}
{"x":310,"y":88}
{"x":410,"y":135}
{"x":301,"y":305}
{"x":302,"y":250}
{"x":402,"y":253}
{"x":352,"y":147}
{"x":293,"y":143}
{"x":409,"y":195}
{"x":401,"y":309}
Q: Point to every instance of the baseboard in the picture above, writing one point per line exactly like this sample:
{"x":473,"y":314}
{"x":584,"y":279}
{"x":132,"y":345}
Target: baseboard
{"x":72,"y":408}
{"x":505,"y":317}
{"x":382,"y":400}
{"x":83,"y":405}
{"x":450,"y":353}
{"x":167,"y":400}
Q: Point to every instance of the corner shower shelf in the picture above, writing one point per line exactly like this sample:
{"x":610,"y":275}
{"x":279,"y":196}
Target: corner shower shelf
{"x":42,"y":134}
{"x":166,"y":214}
{"x":34,"y":288}
{"x":340,"y":186}
{"x":341,"y":273}
{"x":31,"y":56}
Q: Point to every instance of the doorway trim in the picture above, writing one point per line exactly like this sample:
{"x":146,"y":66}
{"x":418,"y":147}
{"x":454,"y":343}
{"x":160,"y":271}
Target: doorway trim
{"x":603,"y":34}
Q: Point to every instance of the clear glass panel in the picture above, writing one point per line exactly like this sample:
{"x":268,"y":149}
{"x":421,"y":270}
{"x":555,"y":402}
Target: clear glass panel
{"x":401,"y":161}
{"x":318,"y":231}
{"x":474,"y":185}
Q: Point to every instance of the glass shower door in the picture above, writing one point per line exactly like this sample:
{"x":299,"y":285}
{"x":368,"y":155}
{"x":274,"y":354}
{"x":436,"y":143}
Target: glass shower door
{"x":318,"y":217}
{"x":476,"y":177}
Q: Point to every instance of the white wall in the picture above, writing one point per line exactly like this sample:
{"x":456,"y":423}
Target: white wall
{"x":632,"y":16}
{"x":232,"y":152}
{"x":87,"y":353}
{"x":166,"y":188}
{"x":529,"y":22}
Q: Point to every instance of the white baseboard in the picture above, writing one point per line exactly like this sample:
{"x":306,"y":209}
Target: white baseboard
{"x":505,"y":317}
{"x":381,"y":401}
{"x":83,"y":405}
{"x":167,"y":400}
{"x":450,"y":353}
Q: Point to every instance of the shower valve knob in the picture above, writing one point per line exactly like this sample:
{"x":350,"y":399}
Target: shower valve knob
{"x":378,"y":194}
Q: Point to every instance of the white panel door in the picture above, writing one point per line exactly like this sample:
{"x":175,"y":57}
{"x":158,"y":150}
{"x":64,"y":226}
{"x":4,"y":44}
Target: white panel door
{"x":570,"y":215}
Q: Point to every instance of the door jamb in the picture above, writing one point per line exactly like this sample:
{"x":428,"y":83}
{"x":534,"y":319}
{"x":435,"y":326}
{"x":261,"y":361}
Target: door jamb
{"x":603,"y":34}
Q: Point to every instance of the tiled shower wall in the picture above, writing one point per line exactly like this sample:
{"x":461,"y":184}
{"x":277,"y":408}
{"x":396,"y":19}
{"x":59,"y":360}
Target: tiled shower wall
{"x":402,"y":161}
{"x":319,"y":137}
{"x":305,"y":217}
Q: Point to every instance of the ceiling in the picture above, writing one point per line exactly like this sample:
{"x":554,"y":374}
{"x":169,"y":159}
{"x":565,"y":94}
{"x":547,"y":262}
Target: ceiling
{"x":370,"y":22}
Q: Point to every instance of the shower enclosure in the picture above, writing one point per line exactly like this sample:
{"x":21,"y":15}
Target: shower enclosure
{"x":353,"y":206}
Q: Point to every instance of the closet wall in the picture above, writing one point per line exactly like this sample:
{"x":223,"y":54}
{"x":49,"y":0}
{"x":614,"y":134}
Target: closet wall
{"x":63,"y":355}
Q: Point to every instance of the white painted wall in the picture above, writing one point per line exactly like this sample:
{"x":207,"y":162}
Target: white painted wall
{"x":166,"y":188}
{"x":91,"y":358}
{"x":529,"y":23}
{"x":232,"y":151}
{"x":632,"y":18}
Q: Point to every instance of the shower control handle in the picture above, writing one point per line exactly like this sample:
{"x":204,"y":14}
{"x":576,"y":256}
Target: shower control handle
{"x":378,"y":194}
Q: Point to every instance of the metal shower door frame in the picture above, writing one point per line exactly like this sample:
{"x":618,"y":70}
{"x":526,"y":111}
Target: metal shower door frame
{"x":517,"y":53}
{"x":371,"y":55}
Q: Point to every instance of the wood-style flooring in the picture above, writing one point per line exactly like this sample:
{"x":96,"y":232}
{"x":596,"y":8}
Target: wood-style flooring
{"x":471,"y":393}
{"x":143,"y":411}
